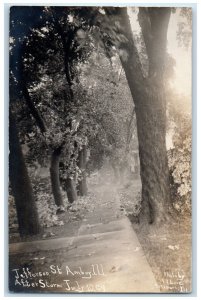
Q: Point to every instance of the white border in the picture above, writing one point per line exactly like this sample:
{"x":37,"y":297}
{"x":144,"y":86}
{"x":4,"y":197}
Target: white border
{"x":3,"y":156}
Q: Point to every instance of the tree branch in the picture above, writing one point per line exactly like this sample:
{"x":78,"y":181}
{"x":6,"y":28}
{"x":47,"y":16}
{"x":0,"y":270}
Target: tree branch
{"x":23,"y":85}
{"x":127,"y":49}
{"x":66,"y":43}
{"x":159,"y":19}
{"x":145,"y":24}
{"x":35,"y":113}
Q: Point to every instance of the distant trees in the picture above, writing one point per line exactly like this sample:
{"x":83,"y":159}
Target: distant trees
{"x":109,"y":111}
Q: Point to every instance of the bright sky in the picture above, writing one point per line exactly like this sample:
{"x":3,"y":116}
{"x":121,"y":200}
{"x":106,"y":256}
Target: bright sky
{"x":182,"y":79}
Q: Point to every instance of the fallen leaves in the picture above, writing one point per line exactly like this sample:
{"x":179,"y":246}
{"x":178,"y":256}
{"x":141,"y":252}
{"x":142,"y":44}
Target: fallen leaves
{"x":114,"y":269}
{"x":137,"y":249}
{"x":173,"y":247}
{"x":48,"y":234}
{"x":130,"y":198}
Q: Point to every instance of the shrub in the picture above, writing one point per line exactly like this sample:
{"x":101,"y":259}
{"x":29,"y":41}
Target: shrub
{"x":179,"y":159}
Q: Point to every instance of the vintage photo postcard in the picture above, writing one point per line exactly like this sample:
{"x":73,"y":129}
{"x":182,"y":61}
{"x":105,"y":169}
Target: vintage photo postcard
{"x":100,"y":149}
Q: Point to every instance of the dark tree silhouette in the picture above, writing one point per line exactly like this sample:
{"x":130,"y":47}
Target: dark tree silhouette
{"x":20,"y":184}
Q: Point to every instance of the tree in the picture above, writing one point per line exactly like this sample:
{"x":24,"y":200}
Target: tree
{"x":150,"y":106}
{"x":82,"y":160}
{"x":31,"y":65}
{"x":18,"y":174}
{"x":20,"y":184}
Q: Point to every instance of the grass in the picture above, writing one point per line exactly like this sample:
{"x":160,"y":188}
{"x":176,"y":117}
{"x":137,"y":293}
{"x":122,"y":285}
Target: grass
{"x":168,"y":251}
{"x":167,"y":248}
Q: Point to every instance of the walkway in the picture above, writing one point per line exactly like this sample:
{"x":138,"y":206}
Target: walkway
{"x":103,"y":256}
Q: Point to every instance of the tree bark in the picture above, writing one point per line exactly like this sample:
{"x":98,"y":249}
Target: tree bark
{"x":71,"y":190}
{"x":34,"y":111}
{"x":129,"y":131}
{"x":82,"y":161}
{"x":151,"y":124}
{"x":20,"y":184}
{"x":40,"y":122}
{"x":54,"y":169}
{"x":150,"y":105}
{"x":22,"y":83}
{"x":66,"y":40}
{"x":54,"y":174}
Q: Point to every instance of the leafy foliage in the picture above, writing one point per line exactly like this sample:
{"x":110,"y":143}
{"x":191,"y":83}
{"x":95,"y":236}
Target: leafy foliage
{"x":47,"y":210}
{"x":184,"y":32}
{"x":108,"y":109}
{"x":179,"y":158}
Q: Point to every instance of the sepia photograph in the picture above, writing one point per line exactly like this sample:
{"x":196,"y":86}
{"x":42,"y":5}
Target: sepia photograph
{"x":100,"y":144}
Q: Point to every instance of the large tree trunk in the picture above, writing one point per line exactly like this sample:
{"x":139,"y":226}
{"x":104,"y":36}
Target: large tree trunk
{"x":20,"y":184}
{"x":82,"y":161}
{"x":150,"y":105}
{"x":71,"y":190}
{"x":151,"y":124}
{"x":54,"y":174}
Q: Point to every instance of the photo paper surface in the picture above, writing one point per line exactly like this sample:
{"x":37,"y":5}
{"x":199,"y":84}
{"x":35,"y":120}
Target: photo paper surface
{"x":100,"y":149}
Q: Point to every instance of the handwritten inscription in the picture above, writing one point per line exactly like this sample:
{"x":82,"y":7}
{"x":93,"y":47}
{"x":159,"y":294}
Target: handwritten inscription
{"x":173,"y":281}
{"x":71,"y":279}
